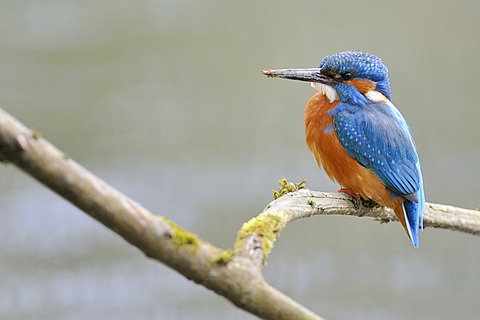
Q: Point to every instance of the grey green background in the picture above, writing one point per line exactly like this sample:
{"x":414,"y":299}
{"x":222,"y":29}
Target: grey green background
{"x":165,"y":100}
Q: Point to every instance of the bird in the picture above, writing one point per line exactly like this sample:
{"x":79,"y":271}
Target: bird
{"x":359,"y":137}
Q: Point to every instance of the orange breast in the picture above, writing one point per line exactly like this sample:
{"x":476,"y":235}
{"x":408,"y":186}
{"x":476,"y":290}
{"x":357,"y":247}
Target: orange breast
{"x":330,"y":154}
{"x":338,"y":165}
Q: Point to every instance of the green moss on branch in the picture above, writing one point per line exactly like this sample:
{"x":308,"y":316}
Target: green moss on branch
{"x":266,"y":227}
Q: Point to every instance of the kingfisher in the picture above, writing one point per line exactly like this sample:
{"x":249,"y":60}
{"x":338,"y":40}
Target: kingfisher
{"x":359,"y":137}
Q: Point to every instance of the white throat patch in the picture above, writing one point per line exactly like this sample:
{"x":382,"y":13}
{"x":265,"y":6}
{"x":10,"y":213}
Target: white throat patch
{"x":328,"y":91}
{"x":375,"y":96}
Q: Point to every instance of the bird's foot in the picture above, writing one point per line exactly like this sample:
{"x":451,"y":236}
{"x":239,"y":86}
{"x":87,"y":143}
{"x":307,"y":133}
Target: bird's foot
{"x":351,"y":192}
{"x":357,"y":200}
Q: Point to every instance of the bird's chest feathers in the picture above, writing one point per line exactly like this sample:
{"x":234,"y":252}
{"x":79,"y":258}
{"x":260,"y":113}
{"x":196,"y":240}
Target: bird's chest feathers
{"x":319,"y":131}
{"x":327,"y":149}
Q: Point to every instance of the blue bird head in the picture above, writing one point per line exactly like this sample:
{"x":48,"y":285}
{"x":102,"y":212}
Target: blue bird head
{"x":351,"y":71}
{"x":357,"y":77}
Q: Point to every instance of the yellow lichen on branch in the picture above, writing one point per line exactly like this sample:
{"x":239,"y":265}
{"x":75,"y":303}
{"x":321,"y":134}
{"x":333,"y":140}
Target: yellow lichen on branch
{"x":287,"y":187}
{"x":260,"y":233}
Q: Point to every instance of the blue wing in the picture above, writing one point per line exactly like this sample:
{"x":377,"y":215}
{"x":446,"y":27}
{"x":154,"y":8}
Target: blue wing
{"x":377,"y":136}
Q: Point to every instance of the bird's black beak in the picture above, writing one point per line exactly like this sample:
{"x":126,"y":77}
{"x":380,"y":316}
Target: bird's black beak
{"x":309,"y":75}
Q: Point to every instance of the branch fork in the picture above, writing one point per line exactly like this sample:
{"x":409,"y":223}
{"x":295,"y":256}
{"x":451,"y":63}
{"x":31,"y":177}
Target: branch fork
{"x":235,"y":273}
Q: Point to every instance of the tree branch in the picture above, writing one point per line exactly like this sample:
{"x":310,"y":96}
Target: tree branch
{"x":235,"y":277}
{"x":305,"y":203}
{"x":234,"y":274}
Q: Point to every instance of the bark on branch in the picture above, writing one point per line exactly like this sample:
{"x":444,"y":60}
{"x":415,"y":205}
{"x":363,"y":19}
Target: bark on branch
{"x":234,"y":274}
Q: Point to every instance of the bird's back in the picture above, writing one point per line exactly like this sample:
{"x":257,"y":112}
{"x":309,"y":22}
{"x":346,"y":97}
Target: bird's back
{"x":329,"y":153}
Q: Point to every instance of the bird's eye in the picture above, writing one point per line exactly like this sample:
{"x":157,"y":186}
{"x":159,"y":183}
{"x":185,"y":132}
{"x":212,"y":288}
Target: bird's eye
{"x":347,"y":76}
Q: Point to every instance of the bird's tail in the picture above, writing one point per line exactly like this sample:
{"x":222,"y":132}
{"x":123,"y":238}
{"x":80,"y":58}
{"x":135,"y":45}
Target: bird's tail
{"x":410,"y":215}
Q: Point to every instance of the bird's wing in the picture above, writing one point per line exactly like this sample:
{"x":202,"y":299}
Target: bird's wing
{"x":378,"y":137}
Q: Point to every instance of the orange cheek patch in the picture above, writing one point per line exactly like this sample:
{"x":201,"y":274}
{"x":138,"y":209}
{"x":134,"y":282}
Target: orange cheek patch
{"x":362,"y":85}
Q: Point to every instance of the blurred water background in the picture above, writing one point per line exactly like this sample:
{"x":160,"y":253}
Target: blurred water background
{"x":165,"y":101}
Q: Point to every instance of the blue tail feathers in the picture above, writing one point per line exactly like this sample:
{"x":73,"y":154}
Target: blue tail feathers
{"x":413,"y":212}
{"x":410,"y":210}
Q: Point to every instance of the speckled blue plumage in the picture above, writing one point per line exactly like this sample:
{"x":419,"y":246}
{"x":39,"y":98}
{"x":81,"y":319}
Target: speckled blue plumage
{"x":376,"y":134}
{"x":375,"y":138}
